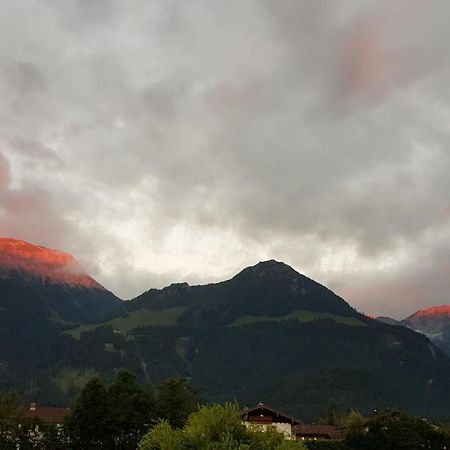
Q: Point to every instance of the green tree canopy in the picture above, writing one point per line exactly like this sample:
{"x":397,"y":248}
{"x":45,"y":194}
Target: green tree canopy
{"x":131,"y":410}
{"x":397,"y":432}
{"x":354,"y":421}
{"x":217,"y":427}
{"x":176,"y":401}
{"x":163,"y":437}
{"x":89,"y":424}
{"x":216,"y":424}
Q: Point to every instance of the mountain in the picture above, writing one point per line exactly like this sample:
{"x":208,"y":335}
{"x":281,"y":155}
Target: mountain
{"x":390,"y":321}
{"x":266,"y":292}
{"x":48,"y":284}
{"x":431,"y":320}
{"x":42,"y":292}
{"x":434,"y":322}
{"x":268,"y":334}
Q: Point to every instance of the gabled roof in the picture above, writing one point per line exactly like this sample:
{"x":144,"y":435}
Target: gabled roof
{"x":263,"y":409}
{"x":46,"y":414}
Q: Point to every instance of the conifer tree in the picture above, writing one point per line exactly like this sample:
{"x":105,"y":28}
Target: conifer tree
{"x":176,"y":401}
{"x":89,"y":424}
{"x":132,"y":410}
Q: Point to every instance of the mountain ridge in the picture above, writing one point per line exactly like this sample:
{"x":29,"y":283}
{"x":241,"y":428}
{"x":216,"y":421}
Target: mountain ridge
{"x":268,"y":333}
{"x":48,"y":286}
{"x":45,"y":263}
{"x":433,"y":322}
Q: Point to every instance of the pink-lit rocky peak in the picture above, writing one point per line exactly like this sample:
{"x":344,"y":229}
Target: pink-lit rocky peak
{"x":48,"y":264}
{"x":430,"y":320}
{"x":443,"y":310}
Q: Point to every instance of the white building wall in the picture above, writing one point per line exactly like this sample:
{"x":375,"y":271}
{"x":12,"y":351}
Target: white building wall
{"x":284,"y":428}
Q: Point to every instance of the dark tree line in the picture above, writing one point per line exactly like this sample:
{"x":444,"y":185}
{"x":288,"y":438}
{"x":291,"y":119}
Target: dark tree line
{"x":109,"y":417}
{"x":125,"y":415}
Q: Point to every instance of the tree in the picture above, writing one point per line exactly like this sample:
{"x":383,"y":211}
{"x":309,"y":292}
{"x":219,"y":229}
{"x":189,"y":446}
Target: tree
{"x":217,"y":427}
{"x":176,"y":401}
{"x":53,"y":438}
{"x":163,"y":437}
{"x":89,"y":424}
{"x":9,"y":410}
{"x":397,"y":432}
{"x":131,"y":410}
{"x":354,"y":421}
{"x":216,"y":424}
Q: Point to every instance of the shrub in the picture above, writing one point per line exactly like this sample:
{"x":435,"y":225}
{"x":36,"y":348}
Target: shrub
{"x":325,"y":445}
{"x":163,"y":437}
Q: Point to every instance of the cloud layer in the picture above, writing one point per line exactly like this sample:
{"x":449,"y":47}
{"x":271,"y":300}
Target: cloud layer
{"x":162,"y":141}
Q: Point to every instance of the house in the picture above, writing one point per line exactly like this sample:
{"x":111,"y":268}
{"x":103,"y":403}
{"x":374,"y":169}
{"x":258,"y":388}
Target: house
{"x":306,"y":432}
{"x":48,"y":415}
{"x":263,"y":416}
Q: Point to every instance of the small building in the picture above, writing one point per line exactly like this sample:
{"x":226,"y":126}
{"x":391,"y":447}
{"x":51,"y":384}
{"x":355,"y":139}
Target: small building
{"x":306,"y":432}
{"x":263,"y":416}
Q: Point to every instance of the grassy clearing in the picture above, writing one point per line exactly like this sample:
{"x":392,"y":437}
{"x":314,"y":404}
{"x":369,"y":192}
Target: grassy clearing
{"x":138,"y":318}
{"x":301,"y":316}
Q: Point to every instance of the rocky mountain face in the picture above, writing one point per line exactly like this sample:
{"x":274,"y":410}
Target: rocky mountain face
{"x":431,"y":320}
{"x":434,"y":322}
{"x":268,"y":334}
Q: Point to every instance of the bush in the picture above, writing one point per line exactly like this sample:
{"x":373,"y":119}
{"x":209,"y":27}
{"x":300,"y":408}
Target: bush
{"x":215,"y":424}
{"x":291,"y":445}
{"x":218,"y":427}
{"x":325,"y":445}
{"x":163,"y":437}
{"x":397,"y":432}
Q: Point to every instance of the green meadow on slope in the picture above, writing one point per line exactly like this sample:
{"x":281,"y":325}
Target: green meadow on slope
{"x":135,"y":319}
{"x":300,"y":316}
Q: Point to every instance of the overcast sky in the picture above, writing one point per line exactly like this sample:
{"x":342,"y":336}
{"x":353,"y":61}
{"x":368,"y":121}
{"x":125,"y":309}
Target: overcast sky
{"x":167,"y":140}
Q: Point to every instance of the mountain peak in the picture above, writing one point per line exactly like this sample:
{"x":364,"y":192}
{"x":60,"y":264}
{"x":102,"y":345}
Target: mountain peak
{"x":442,"y":310}
{"x":434,"y":311}
{"x":272,"y":267}
{"x":48,"y":264}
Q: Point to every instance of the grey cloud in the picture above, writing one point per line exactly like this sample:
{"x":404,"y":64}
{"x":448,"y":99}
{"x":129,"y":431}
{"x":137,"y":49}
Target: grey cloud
{"x":422,"y":282}
{"x":180,"y":133}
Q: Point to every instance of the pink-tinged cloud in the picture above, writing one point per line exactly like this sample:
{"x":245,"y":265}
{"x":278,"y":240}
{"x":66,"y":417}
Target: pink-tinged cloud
{"x":375,"y":56}
{"x":424,"y":286}
{"x":5,"y":174}
{"x":28,"y":213}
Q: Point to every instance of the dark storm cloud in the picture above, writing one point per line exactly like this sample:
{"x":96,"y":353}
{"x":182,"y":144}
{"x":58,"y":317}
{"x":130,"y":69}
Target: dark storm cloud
{"x":187,"y":139}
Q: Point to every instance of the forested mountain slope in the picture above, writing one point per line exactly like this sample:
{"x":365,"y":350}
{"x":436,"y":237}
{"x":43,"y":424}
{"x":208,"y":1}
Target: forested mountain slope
{"x":268,"y":334}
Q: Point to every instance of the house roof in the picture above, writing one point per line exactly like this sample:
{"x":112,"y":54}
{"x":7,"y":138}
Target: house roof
{"x":46,"y":414}
{"x":262,"y":408}
{"x":320,"y":431}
